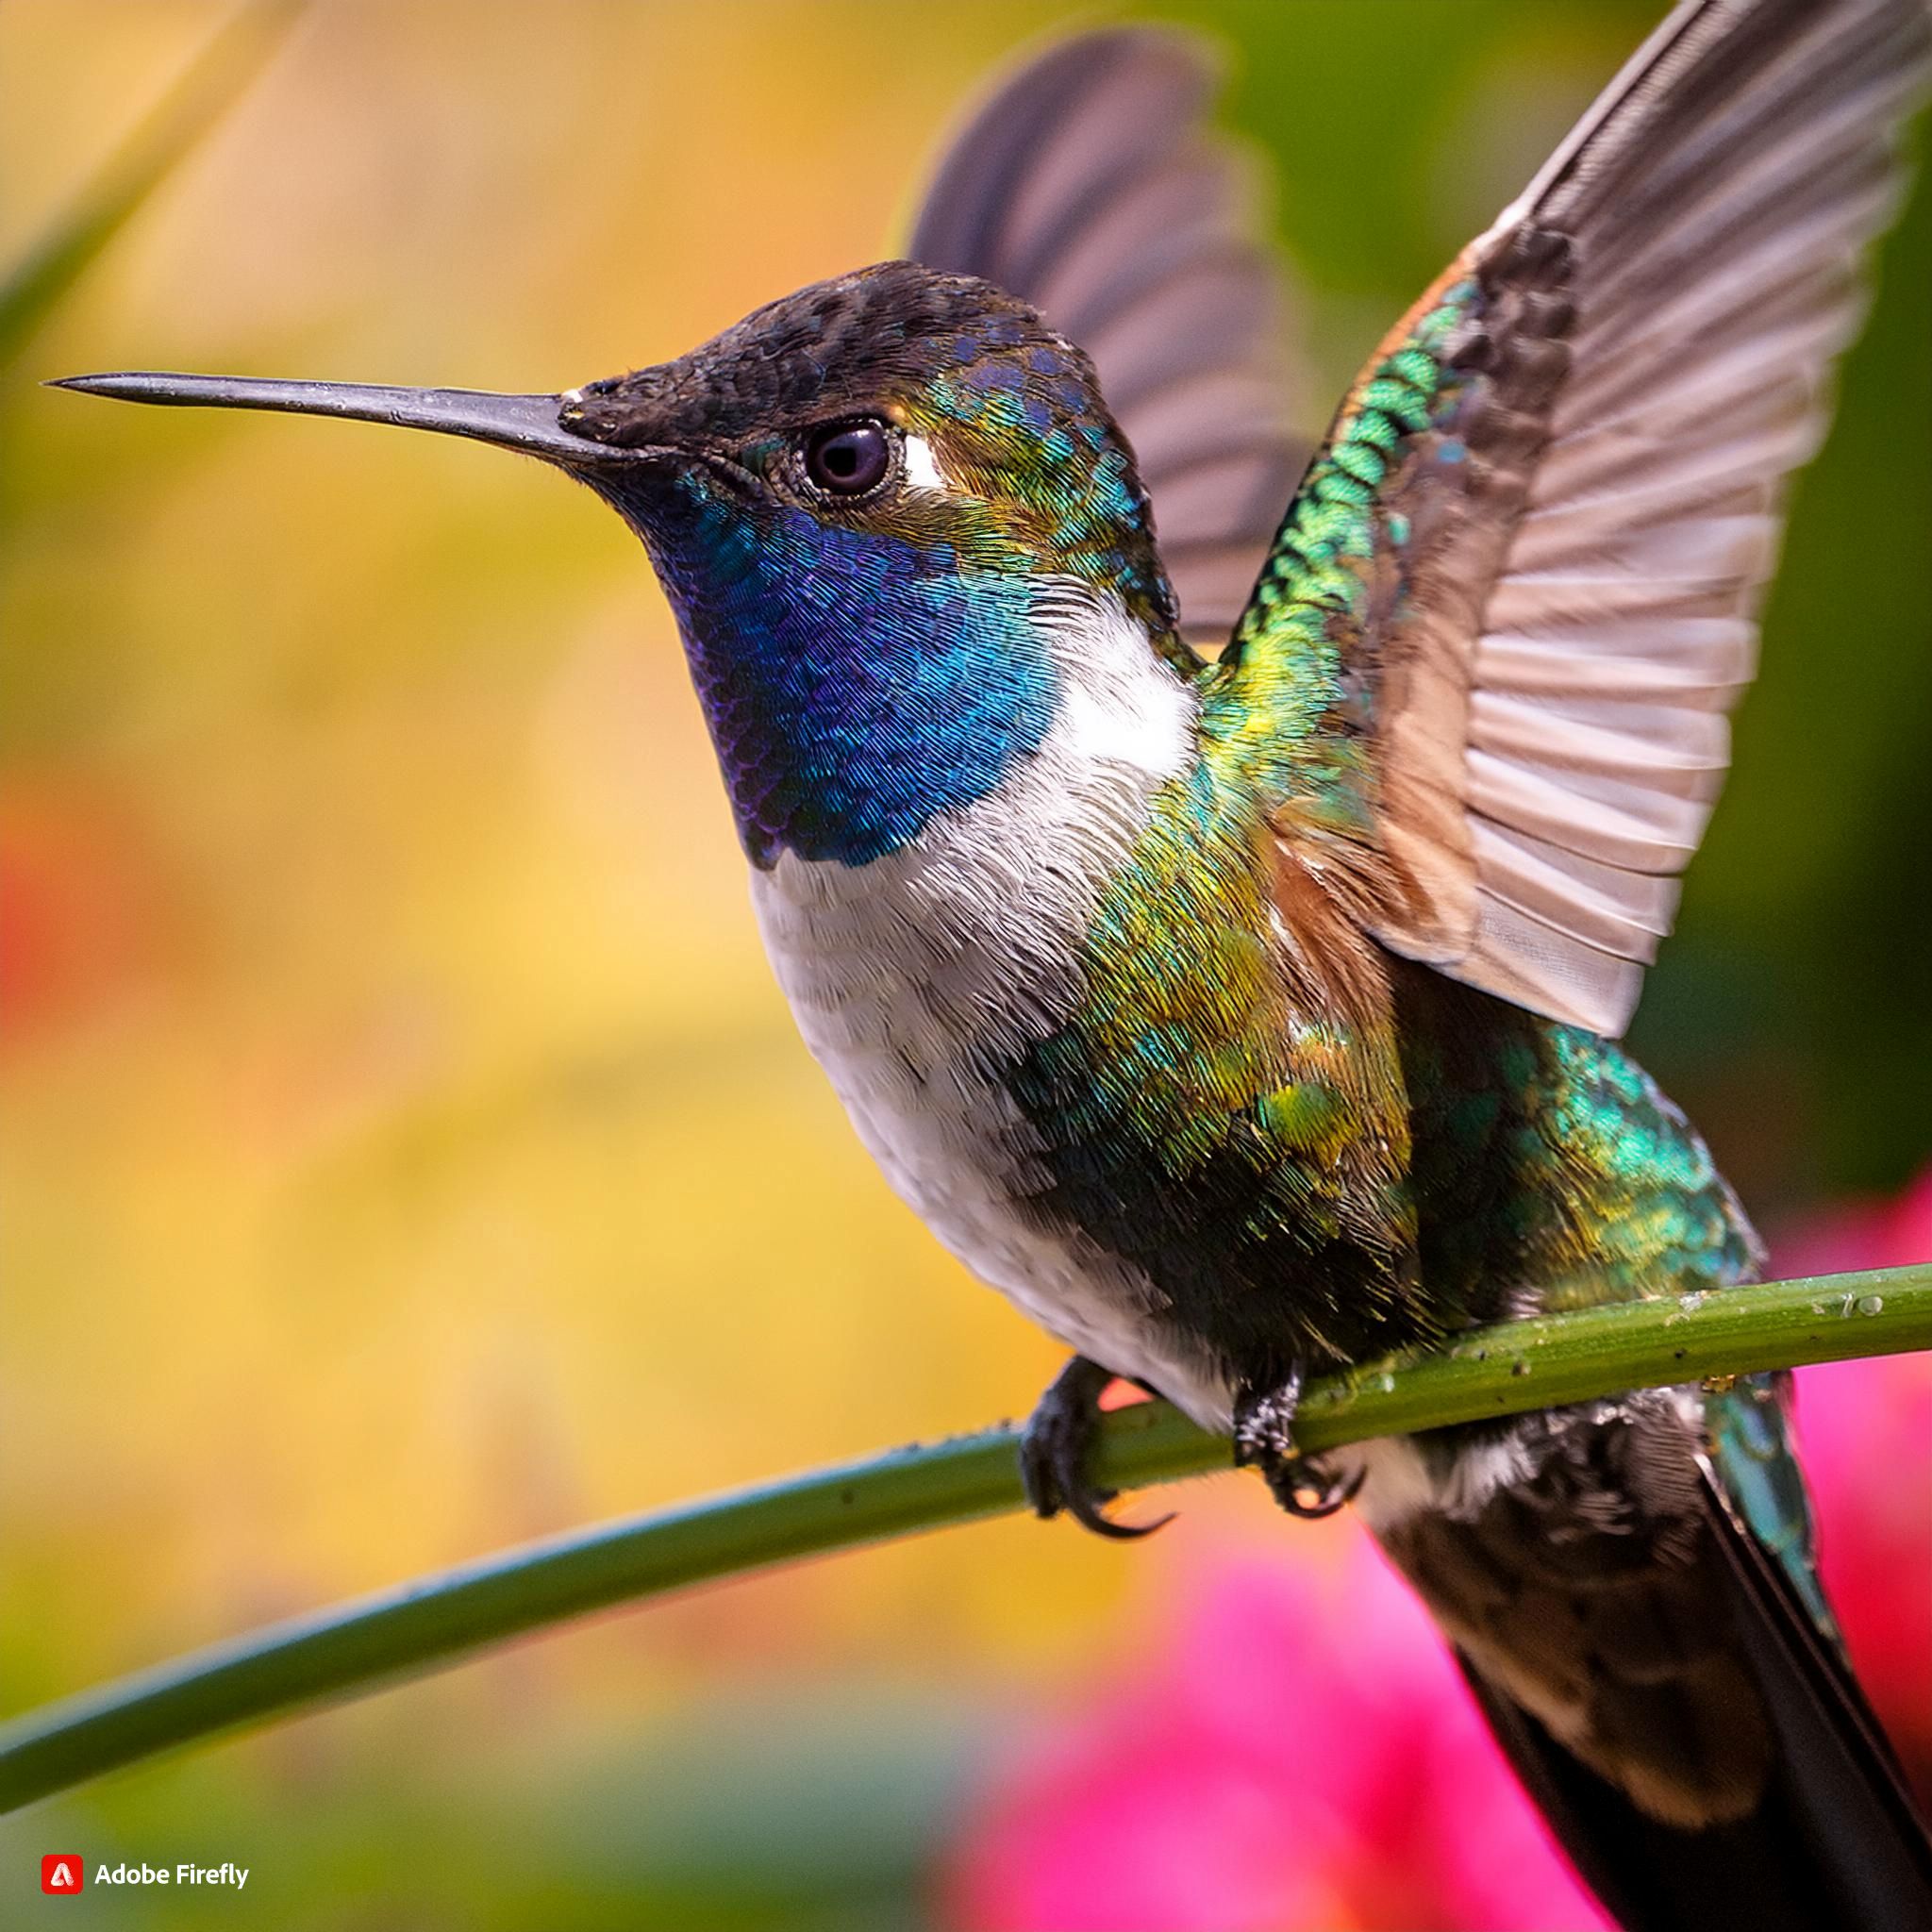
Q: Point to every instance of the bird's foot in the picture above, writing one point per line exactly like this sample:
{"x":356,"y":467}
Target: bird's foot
{"x":1264,"y":1439}
{"x":1053,"y":1447}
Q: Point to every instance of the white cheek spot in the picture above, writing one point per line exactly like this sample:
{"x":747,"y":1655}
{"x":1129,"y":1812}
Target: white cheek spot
{"x":923,"y":470}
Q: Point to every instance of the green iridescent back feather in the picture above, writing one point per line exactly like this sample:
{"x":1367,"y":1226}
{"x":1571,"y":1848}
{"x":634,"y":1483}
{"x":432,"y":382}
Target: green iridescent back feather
{"x":1203,"y":1125}
{"x":1375,"y":1171}
{"x":1289,"y":706}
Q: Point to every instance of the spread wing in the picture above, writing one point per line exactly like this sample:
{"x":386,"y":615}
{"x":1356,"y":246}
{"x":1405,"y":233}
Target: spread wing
{"x":1090,"y":185}
{"x":1511,"y":604}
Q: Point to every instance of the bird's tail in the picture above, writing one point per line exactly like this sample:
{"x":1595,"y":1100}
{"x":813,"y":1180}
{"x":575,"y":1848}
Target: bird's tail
{"x":1668,"y":1685}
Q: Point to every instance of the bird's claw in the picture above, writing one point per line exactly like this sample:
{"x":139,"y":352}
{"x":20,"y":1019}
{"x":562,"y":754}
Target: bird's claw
{"x":1264,"y":1439}
{"x":1054,"y":1448}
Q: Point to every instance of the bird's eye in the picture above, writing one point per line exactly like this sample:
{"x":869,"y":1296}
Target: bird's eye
{"x":847,"y":458}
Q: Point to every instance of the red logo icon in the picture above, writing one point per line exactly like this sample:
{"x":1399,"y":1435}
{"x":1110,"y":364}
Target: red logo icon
{"x":62,"y":1872}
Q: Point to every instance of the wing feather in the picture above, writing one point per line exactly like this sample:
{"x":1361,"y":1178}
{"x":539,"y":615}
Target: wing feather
{"x":1088,"y":184}
{"x":1568,"y":471}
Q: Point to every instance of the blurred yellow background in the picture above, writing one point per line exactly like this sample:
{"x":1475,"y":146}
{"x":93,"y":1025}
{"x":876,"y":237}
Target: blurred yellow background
{"x":407,"y":1149}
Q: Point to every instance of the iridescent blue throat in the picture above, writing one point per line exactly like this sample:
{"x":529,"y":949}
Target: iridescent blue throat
{"x":856,"y":685}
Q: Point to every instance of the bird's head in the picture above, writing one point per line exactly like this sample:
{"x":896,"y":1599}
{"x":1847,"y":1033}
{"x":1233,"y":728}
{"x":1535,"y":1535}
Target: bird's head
{"x":889,"y":512}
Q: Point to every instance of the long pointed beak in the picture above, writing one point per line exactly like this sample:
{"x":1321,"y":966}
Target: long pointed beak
{"x":529,"y":423}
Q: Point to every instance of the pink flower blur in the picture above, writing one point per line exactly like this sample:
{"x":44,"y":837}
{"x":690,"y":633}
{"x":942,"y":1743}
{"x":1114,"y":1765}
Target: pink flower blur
{"x":1297,"y":1751}
{"x":1865,"y":1430}
{"x":1301,"y":1754}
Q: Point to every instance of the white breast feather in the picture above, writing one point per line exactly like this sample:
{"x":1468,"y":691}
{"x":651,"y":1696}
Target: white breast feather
{"x":963,"y":949}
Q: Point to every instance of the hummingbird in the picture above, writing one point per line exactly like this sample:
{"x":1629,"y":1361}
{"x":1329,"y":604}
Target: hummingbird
{"x":1221,"y":936}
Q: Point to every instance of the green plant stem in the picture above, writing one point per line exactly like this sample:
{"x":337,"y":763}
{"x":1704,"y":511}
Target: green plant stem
{"x":1573,"y":1356}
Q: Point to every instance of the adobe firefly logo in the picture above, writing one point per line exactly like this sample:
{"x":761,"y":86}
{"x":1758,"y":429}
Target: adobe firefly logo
{"x":62,"y":1872}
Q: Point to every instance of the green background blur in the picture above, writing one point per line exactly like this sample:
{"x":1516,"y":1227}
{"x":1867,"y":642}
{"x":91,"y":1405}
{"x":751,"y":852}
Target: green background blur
{"x":407,"y":1150}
